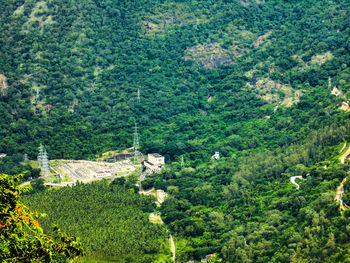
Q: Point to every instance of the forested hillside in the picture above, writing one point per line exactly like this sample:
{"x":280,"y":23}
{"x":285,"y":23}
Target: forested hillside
{"x":209,"y":74}
{"x":248,"y":210}
{"x":262,"y":82}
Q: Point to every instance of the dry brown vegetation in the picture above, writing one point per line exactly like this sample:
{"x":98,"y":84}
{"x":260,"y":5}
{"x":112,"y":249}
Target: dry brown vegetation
{"x":316,"y":60}
{"x":3,"y":85}
{"x":169,"y":15}
{"x":212,"y":55}
{"x":261,"y":40}
{"x":249,"y":2}
{"x":38,"y":15}
{"x":275,"y":93}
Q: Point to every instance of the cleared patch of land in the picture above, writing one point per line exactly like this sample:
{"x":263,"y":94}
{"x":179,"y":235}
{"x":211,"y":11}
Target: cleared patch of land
{"x":68,"y":171}
{"x":344,"y":106}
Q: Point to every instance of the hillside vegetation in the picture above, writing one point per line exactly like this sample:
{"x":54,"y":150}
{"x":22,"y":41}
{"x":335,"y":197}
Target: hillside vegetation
{"x":71,"y":71}
{"x":250,"y":79}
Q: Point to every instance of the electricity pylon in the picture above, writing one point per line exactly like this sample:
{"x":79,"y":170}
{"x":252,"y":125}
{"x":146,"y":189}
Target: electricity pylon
{"x":43,"y":161}
{"x":136,"y":144}
{"x":138,"y":95}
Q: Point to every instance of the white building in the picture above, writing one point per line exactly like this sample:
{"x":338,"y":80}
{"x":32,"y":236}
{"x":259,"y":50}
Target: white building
{"x":103,"y":173}
{"x":216,"y":156}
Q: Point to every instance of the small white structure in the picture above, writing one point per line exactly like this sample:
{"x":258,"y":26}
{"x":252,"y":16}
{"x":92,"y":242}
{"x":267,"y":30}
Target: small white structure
{"x":103,"y":173}
{"x":216,"y":156}
{"x":156,"y":159}
{"x":155,"y":162}
{"x":161,"y":195}
{"x":2,"y":155}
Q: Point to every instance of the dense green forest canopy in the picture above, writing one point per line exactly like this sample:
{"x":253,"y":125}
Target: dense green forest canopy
{"x":110,"y":219}
{"x":21,"y":237}
{"x":259,"y":81}
{"x":209,"y":73}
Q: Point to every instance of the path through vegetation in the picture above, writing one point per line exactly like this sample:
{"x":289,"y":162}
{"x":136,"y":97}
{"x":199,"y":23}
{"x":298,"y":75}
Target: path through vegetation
{"x":343,"y":157}
{"x":340,"y":188}
{"x":292,"y":180}
{"x":156,"y":218}
{"x":338,"y":195}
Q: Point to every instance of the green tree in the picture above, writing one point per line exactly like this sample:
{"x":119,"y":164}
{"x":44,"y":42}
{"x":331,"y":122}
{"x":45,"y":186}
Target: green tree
{"x":21,"y":237}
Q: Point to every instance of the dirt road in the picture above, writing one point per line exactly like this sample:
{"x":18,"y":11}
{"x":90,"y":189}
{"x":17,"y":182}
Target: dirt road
{"x":155,"y":218}
{"x":292,"y":180}
{"x":342,"y":158}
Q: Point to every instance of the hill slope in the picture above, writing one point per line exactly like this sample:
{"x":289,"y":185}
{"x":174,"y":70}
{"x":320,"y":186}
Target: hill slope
{"x":72,"y":71}
{"x":250,"y":79}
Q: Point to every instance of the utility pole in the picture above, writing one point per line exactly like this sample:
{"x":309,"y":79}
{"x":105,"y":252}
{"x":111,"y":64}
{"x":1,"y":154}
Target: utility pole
{"x":25,"y":158}
{"x":138,"y":95}
{"x":136,"y":144}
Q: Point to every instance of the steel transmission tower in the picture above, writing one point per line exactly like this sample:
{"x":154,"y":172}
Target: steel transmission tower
{"x":136,"y":144}
{"x":182,"y":161}
{"x":43,"y":161}
{"x":330,"y":83}
{"x":40,"y":156}
{"x":138,"y":95}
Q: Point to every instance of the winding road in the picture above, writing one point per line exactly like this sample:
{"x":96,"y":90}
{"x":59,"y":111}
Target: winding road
{"x":346,"y":154}
{"x":338,"y":195}
{"x":156,"y":218}
{"x":292,"y":180}
{"x":340,"y":189}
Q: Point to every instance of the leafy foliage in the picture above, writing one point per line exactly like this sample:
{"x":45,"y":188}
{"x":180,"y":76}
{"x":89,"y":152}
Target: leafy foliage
{"x":246,"y":78}
{"x":109,"y":218}
{"x":21,"y":237}
{"x":258,"y":215}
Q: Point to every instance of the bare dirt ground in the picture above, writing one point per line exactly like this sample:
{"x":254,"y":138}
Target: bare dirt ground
{"x":338,"y":195}
{"x":344,"y":106}
{"x":343,"y":157}
{"x":70,"y":171}
{"x":340,"y":189}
